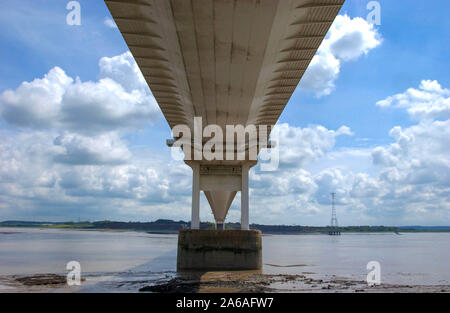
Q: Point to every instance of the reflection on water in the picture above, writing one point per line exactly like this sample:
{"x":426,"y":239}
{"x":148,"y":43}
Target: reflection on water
{"x":132,"y":258}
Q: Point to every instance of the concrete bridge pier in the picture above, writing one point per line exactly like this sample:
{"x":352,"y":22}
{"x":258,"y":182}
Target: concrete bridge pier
{"x":220,"y":184}
{"x":219,"y":249}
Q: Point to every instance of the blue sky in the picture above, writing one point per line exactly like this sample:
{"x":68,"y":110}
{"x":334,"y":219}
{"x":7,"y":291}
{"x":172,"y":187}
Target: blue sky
{"x":374,"y":168}
{"x":412,"y":50}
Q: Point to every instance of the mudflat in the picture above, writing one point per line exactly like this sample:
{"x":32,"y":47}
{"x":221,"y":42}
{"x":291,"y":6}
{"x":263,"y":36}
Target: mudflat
{"x":222,"y":282}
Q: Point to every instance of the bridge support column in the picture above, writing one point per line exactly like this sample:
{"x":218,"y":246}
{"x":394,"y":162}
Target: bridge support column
{"x":195,"y":215}
{"x":244,"y":199}
{"x":221,"y":250}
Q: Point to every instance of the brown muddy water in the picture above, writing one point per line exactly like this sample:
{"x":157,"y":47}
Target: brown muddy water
{"x":130,"y":261}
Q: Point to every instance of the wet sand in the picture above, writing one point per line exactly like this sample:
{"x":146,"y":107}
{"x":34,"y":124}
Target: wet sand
{"x":220,"y":282}
{"x":248,"y":282}
{"x":41,"y":283}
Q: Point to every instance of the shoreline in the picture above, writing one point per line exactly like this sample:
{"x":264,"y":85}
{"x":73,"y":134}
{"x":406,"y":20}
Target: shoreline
{"x":166,"y":226}
{"x":213,"y":282}
{"x":266,"y":233}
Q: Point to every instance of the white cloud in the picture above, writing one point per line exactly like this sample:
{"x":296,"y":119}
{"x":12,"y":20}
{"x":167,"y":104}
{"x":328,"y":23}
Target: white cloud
{"x":44,"y":169}
{"x":408,"y":181}
{"x":347,"y":40}
{"x":59,"y":102}
{"x":36,"y":103}
{"x":124,"y":70}
{"x":332,"y":180}
{"x":61,"y":157}
{"x":302,"y":145}
{"x":292,"y":187}
{"x":411,"y":183}
{"x":420,"y":155}
{"x":74,"y":175}
{"x":109,"y":22}
{"x":350,"y":38}
{"x":106,"y":149}
{"x":126,"y":181}
{"x":430,"y":101}
{"x":64,"y":147}
{"x":415,"y":169}
{"x":321,"y":74}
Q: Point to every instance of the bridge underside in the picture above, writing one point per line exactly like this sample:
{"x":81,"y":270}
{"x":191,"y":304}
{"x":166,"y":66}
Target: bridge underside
{"x":230,"y":62}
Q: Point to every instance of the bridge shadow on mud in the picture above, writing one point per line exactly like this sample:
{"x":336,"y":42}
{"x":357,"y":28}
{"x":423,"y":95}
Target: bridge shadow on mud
{"x":159,"y":275}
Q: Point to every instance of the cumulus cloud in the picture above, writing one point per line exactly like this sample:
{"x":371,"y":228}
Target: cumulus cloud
{"x":72,"y":172}
{"x":415,"y":169}
{"x":105,"y":106}
{"x":332,"y":180}
{"x":347,"y":40}
{"x":109,"y":22}
{"x":350,"y":38}
{"x":126,"y":182}
{"x":61,"y":156}
{"x":430,"y":101}
{"x":106,"y":149}
{"x":406,"y":182}
{"x":293,"y":182}
{"x":124,"y":70}
{"x":419,"y":155}
{"x":321,"y":74}
{"x":63,"y":146}
{"x":36,"y":104}
{"x":24,"y":161}
{"x":58,"y":101}
{"x":303,"y":145}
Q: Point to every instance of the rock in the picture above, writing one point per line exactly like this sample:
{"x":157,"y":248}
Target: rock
{"x":42,"y":279}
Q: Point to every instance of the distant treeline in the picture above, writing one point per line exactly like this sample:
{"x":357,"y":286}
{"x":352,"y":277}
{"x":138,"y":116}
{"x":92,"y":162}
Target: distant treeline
{"x":169,"y":226}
